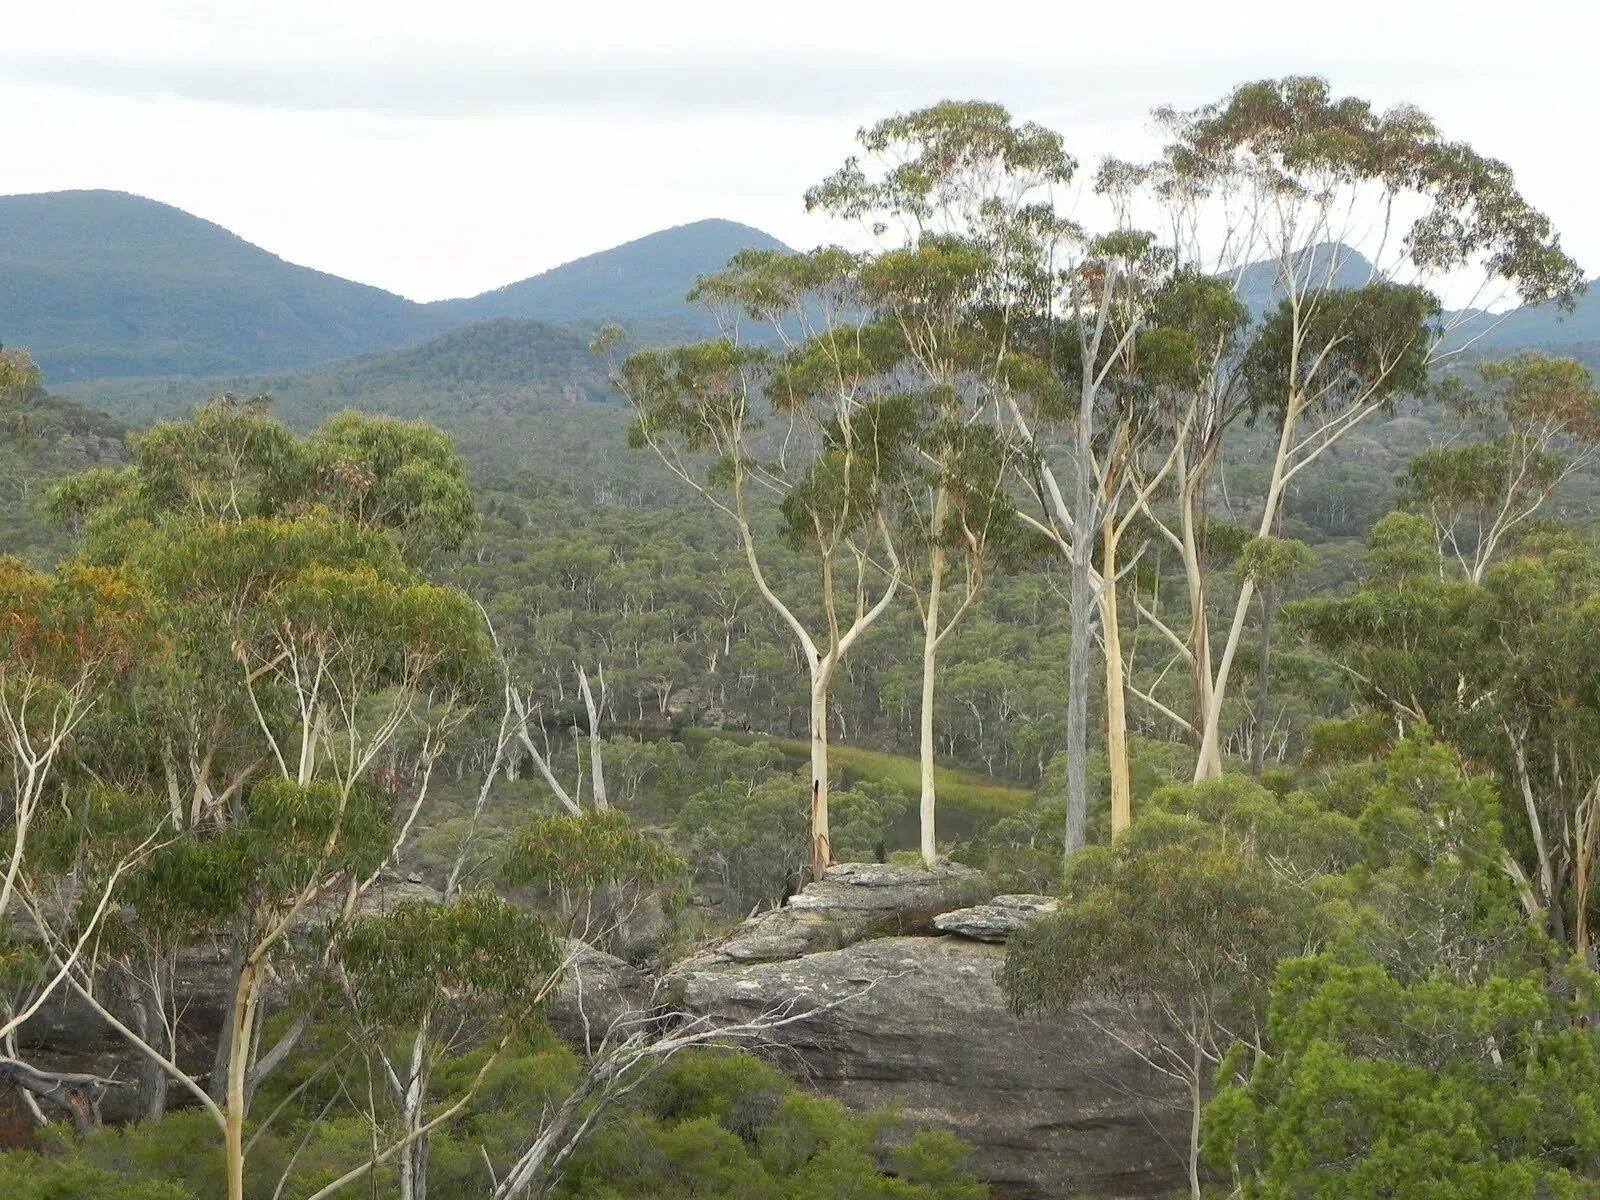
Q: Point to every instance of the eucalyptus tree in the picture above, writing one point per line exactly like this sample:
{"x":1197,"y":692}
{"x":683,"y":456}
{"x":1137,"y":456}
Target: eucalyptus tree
{"x":830,"y":473}
{"x":1541,"y":418}
{"x":423,"y":980}
{"x":296,"y":644}
{"x":959,"y":192}
{"x":1089,"y":336}
{"x":65,"y":638}
{"x":1009,"y":310}
{"x":1502,"y":668}
{"x":18,"y":378}
{"x":1334,"y":220}
{"x":1126,"y":349}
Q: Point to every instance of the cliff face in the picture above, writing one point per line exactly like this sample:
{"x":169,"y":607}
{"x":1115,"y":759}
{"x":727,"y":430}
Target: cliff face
{"x":1052,"y":1107}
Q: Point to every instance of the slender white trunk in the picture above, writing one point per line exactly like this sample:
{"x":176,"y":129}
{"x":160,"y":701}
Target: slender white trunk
{"x":597,"y":768}
{"x":1196,"y":1066}
{"x":1117,"y":766}
{"x":1081,"y":598}
{"x":241,"y":1029}
{"x":1208,"y":763}
{"x":821,"y":847}
{"x":413,"y":1166}
{"x":930,"y":652}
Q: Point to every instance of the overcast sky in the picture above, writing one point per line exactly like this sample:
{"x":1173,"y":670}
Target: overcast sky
{"x":439,"y":149}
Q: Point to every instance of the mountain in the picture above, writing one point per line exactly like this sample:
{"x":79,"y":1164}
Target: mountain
{"x":98,"y":283}
{"x":1545,"y":326}
{"x":1258,"y":287}
{"x":1532,"y":327}
{"x":639,"y":281}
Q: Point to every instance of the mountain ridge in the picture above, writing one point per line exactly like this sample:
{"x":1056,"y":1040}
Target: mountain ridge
{"x":102,"y":284}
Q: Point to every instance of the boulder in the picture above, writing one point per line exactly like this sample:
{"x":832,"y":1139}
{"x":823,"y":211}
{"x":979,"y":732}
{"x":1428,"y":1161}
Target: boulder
{"x":889,"y":888}
{"x":596,"y":990}
{"x":852,"y":902}
{"x":1052,"y":1107}
{"x":995,"y":921}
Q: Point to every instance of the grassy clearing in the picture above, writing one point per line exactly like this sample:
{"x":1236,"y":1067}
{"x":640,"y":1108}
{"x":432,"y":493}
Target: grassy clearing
{"x":966,"y":799}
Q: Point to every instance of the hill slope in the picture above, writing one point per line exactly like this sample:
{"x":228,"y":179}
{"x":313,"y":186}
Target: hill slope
{"x":100,"y":284}
{"x":104,"y":283}
{"x":1546,"y":326}
{"x":518,"y":395}
{"x":643,"y":280}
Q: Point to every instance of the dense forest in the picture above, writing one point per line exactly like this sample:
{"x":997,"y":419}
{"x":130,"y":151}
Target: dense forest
{"x":401,"y":753}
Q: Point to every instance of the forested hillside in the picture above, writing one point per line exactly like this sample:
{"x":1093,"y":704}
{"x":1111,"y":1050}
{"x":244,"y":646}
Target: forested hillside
{"x":104,"y":284}
{"x":639,"y":281}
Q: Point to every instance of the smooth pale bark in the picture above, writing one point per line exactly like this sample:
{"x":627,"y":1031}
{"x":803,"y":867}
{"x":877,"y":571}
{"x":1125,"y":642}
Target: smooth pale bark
{"x":930,"y":653}
{"x":1196,"y":1067}
{"x":597,"y":768}
{"x":821,"y":844}
{"x":1208,"y":762}
{"x":413,"y":1164}
{"x":1081,"y":597}
{"x":1258,"y":750}
{"x":241,"y":1026}
{"x":1116,"y":692}
{"x":223,"y":1054}
{"x":1199,"y":620}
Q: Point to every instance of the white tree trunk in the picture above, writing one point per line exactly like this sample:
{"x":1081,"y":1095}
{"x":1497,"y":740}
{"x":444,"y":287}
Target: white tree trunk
{"x":930,"y":652}
{"x":821,"y":846}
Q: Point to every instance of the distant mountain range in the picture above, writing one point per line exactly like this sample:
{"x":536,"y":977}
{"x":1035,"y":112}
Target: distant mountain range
{"x":102,"y":284}
{"x":639,"y":280}
{"x":1542,"y":326}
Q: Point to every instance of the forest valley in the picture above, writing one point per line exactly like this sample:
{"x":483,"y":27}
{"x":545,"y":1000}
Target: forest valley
{"x":1065,"y":550}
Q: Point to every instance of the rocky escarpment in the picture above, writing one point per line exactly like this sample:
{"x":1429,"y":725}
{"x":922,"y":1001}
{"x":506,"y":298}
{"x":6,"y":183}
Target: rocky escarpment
{"x":900,"y":965}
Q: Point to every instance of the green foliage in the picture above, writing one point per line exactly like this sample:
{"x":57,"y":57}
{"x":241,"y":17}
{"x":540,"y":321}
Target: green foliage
{"x":712,"y":1125}
{"x":573,"y":854}
{"x":750,"y":835}
{"x":1297,"y":137}
{"x":475,"y":950}
{"x":1182,"y":911}
{"x":1377,"y":1086}
{"x":1272,"y":559}
{"x":715,"y":1125}
{"x":1377,"y":341}
{"x":33,"y":1177}
{"x":231,"y":462}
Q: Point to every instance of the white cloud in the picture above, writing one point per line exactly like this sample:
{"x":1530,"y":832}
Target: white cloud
{"x":442,"y":149}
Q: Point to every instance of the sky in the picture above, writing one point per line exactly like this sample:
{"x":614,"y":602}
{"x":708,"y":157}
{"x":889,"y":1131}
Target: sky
{"x":440,"y":149}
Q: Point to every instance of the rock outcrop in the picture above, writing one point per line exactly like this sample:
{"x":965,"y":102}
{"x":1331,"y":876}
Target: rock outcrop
{"x":900,"y":965}
{"x":1052,"y":1107}
{"x":853,"y":901}
{"x":596,"y":990}
{"x":995,"y":921}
